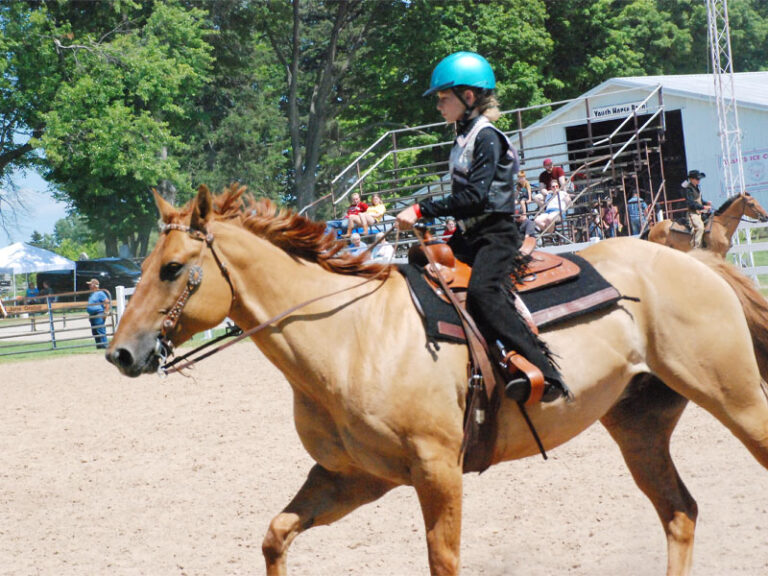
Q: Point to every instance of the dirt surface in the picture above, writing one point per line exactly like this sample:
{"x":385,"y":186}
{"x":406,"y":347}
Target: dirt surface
{"x":101,"y":474}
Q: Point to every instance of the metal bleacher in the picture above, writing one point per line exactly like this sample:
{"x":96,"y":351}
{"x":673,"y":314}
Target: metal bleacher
{"x":410,"y":164}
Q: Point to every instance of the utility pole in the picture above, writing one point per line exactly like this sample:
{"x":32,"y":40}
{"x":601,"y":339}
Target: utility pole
{"x":727,"y":113}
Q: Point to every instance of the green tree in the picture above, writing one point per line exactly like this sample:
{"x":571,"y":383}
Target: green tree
{"x":316,"y":43}
{"x":240,"y":132}
{"x":114,"y":130}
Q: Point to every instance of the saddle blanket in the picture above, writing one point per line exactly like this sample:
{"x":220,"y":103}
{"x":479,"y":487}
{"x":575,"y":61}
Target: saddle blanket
{"x":586,"y":293}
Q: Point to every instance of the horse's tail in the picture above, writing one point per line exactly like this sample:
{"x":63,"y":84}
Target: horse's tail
{"x":754,"y":304}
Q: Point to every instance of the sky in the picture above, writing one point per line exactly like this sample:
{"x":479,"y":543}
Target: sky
{"x":35,"y":211}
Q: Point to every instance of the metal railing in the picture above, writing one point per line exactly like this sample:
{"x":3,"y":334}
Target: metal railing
{"x":395,"y":166}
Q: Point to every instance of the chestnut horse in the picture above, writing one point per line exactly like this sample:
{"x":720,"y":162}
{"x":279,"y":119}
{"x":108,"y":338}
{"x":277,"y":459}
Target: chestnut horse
{"x":376,"y":408}
{"x":718,"y":232}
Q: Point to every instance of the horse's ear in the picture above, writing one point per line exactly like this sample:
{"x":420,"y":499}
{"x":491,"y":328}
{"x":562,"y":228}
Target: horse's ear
{"x":166,"y":209}
{"x":203,"y":208}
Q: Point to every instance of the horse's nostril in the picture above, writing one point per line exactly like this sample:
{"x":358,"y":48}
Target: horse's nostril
{"x":121,"y":358}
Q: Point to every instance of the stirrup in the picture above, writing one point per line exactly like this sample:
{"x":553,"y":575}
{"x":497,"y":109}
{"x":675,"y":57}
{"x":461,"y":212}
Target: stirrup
{"x":518,"y":389}
{"x":527,"y":383}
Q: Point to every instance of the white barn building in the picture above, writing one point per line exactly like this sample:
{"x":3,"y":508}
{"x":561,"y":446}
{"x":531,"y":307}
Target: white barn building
{"x":690,"y":140}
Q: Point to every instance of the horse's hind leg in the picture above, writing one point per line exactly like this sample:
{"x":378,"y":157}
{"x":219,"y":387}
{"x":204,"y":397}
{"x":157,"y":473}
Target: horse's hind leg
{"x":324,"y":498}
{"x":641,"y":423}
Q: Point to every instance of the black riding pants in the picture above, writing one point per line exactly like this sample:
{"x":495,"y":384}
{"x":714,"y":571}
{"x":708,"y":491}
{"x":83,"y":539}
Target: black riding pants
{"x":492,"y":251}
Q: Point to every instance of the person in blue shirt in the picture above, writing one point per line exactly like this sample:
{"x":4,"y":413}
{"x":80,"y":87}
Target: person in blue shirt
{"x":637,"y":210}
{"x":30,"y":296}
{"x":98,"y":309}
{"x":356,"y":245}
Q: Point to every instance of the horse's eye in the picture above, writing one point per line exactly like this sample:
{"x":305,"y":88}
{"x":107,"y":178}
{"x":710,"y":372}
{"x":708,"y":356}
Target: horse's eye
{"x":170,"y":271}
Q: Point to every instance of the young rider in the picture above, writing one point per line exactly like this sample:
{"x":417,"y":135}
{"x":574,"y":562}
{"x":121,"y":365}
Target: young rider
{"x":482,"y":166}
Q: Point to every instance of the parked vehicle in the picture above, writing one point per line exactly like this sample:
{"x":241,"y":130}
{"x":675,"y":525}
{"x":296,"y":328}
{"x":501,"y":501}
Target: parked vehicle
{"x":110,"y":272}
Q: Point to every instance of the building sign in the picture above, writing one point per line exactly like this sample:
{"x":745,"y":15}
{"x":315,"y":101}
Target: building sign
{"x":755,"y":166}
{"x":618,"y":110}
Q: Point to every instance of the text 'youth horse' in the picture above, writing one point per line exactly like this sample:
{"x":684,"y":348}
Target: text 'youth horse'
{"x":719,"y":229}
{"x":372,"y":425}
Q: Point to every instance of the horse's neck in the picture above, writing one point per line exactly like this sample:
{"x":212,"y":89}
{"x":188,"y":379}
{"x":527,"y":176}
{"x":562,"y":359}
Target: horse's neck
{"x":729,"y":220}
{"x":268,"y":282}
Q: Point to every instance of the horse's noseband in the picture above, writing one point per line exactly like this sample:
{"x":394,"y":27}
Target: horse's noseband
{"x":164,"y":346}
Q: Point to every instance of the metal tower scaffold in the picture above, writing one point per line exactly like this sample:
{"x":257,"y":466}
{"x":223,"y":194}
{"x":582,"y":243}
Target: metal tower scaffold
{"x":727,"y":112}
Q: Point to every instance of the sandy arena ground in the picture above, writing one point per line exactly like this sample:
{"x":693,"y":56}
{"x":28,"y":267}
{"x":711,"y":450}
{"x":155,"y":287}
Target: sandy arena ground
{"x":105,"y":475}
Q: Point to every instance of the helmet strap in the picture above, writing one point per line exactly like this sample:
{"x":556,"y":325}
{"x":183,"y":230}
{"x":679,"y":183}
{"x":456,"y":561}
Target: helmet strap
{"x":457,"y":90}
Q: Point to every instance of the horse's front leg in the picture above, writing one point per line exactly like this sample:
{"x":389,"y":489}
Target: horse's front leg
{"x":438,"y":483}
{"x":324,"y":498}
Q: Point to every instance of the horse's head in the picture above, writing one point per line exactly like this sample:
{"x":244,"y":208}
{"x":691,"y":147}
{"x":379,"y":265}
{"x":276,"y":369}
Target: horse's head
{"x":752,"y":208}
{"x":183,"y":289}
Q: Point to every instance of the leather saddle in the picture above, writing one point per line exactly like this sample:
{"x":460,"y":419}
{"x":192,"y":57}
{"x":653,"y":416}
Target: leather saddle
{"x":544,"y":269}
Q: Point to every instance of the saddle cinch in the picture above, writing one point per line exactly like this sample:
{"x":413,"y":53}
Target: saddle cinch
{"x":544,"y":269}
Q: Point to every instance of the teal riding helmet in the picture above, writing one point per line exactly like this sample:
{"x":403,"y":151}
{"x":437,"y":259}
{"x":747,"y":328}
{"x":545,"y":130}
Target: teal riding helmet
{"x":462,"y":69}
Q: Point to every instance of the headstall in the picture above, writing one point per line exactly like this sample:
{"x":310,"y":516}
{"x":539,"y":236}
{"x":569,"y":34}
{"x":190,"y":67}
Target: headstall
{"x":164,"y":346}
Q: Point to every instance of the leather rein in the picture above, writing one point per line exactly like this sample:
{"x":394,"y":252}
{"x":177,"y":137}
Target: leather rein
{"x":164,"y":346}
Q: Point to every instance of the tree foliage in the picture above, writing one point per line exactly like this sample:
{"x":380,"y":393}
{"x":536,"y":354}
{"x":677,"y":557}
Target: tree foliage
{"x":110,"y":99}
{"x":116,"y":128}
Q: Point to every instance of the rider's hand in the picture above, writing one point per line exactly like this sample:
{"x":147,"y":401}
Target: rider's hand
{"x":407,"y":218}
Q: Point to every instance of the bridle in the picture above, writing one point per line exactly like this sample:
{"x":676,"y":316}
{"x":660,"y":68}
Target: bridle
{"x":164,"y":346}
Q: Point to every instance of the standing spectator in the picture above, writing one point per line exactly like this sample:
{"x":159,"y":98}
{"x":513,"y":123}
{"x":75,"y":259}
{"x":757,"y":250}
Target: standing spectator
{"x":356,"y":245}
{"x":523,"y":191}
{"x":595,"y":223}
{"x":610,"y":218}
{"x":526,"y":226}
{"x":696,"y":206}
{"x":47,"y":291}
{"x":637,"y":210}
{"x":98,"y":308}
{"x":551,"y":174}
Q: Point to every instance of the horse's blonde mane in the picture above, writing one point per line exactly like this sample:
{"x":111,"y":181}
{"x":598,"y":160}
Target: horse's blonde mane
{"x":291,"y":232}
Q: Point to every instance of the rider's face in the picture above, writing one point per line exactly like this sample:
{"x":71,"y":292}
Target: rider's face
{"x":449,"y":106}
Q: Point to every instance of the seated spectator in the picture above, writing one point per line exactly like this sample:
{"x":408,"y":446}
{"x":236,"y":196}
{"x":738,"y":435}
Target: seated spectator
{"x":355,"y":214}
{"x":450,"y":228}
{"x":30,"y":297}
{"x":525,"y":225}
{"x":551,"y":174}
{"x":557,"y":202}
{"x":356,"y":245}
{"x":383,"y":251}
{"x":366,"y":217}
{"x":336,"y":227}
{"x":523,"y":191}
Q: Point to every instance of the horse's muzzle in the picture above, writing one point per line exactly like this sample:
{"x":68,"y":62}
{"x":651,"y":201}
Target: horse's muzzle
{"x":134,"y":361}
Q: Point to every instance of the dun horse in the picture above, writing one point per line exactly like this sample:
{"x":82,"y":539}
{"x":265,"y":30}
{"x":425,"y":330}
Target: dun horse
{"x":718,"y":232}
{"x":376,"y":408}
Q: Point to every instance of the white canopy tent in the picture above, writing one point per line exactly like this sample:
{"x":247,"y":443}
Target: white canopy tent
{"x":21,"y":258}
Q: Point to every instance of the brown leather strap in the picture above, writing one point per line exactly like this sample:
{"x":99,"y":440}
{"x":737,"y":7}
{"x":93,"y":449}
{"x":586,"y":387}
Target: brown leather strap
{"x":478,"y":351}
{"x":532,"y":372}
